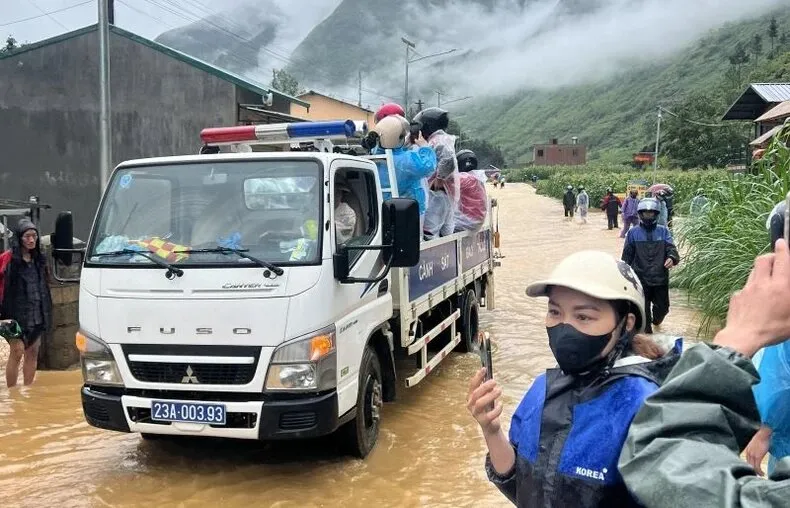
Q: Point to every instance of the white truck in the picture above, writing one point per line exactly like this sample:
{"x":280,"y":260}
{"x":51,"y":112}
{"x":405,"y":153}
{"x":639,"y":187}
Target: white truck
{"x":216,"y":300}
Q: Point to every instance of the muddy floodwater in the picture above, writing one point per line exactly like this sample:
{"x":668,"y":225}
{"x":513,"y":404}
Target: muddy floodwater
{"x":430,"y":452}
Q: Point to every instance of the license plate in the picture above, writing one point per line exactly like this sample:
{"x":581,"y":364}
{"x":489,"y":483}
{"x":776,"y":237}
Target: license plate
{"x":167,"y":411}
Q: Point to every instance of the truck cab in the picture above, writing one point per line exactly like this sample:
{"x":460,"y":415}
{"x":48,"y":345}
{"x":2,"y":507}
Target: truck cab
{"x":245,"y":295}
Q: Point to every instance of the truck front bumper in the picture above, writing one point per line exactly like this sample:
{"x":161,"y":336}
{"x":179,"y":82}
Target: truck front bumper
{"x":255,"y":419}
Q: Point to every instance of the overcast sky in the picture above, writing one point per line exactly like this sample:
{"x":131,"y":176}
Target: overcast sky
{"x":148,"y":18}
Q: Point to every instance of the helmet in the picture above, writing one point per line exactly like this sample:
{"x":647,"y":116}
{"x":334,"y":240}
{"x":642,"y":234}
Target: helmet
{"x":648,"y":205}
{"x":392,"y":131}
{"x":608,"y":189}
{"x":432,"y":120}
{"x":388,"y":109}
{"x":570,"y":187}
{"x":467,"y":161}
{"x":581,"y":188}
{"x":776,"y":222}
{"x":700,"y":192}
{"x":604,"y":277}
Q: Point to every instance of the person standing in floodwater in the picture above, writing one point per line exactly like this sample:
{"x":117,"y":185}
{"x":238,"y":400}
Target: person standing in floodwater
{"x":566,"y":435}
{"x":583,"y":204}
{"x":630,"y":215}
{"x":651,"y":252}
{"x":27,"y":300}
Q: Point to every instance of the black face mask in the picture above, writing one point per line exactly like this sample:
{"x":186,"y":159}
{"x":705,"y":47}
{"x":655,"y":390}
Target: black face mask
{"x":577,"y":352}
{"x":649,"y":223}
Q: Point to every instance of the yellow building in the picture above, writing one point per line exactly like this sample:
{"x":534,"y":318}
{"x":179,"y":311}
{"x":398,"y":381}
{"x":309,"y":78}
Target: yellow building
{"x":323,"y":107}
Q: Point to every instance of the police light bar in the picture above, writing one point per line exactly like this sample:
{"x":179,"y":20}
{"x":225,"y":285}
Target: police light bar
{"x":283,"y":133}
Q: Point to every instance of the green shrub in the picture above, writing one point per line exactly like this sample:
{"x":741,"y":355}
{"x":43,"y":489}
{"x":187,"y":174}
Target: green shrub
{"x":720,"y":245}
{"x":685,"y":183}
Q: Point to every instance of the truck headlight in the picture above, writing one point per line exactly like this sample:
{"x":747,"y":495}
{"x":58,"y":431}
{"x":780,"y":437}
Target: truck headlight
{"x":98,"y":364}
{"x":305,"y":364}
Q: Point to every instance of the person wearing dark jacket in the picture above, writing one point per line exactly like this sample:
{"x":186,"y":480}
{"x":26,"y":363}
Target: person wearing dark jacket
{"x":684,"y":445}
{"x":566,"y":434}
{"x":27,"y":300}
{"x":651,"y":252}
{"x":611,"y":205}
{"x":569,"y":201}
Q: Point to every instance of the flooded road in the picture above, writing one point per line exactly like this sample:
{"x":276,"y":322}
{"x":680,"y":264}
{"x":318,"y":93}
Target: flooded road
{"x":430,"y":452}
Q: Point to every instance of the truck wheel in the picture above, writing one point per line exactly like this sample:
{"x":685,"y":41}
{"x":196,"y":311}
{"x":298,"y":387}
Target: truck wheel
{"x":362,"y":432}
{"x":469,"y":323}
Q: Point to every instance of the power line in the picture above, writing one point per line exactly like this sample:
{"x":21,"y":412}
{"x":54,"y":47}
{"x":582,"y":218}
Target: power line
{"x":45,"y":14}
{"x":702,"y":124}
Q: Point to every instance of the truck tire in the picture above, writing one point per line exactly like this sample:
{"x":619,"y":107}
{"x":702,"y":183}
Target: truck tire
{"x":469,"y":323}
{"x":362,"y":432}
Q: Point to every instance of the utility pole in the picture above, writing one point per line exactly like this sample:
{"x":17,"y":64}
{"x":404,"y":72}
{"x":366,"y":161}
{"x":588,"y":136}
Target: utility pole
{"x":409,"y":46}
{"x":111,"y":11}
{"x":419,"y":104}
{"x":658,"y":139}
{"x":360,"y":89}
{"x":438,"y":98}
{"x":105,"y":133}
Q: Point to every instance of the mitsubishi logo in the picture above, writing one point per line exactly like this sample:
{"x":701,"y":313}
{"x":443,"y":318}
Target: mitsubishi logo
{"x":190,"y":377}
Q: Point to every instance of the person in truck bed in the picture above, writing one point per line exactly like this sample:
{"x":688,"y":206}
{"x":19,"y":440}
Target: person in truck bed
{"x":567,"y":432}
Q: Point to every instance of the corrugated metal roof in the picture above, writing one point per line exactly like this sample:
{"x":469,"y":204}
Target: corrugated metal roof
{"x":766,"y":137}
{"x":246,"y":83}
{"x":772,"y":92}
{"x":777,"y":113}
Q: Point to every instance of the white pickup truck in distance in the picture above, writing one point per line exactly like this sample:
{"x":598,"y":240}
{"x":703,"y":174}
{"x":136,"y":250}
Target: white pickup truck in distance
{"x":219,"y":296}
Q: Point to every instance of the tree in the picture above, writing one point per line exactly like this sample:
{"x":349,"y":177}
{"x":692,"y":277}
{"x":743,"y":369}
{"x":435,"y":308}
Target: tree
{"x":286,"y":83}
{"x":773,"y":34}
{"x":697,"y":139}
{"x":757,"y":47}
{"x":783,"y":39}
{"x":738,"y":59}
{"x":10,"y":45}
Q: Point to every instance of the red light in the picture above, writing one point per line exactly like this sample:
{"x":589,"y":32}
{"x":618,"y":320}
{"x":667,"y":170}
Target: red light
{"x":239,"y":133}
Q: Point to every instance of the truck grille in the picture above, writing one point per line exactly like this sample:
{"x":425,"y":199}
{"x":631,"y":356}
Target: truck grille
{"x":201,"y":373}
{"x":193,"y":373}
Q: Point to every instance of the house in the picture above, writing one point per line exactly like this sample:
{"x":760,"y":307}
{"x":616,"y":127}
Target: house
{"x":160,"y":100}
{"x":755,"y":102}
{"x":556,"y":154}
{"x":324,"y":107}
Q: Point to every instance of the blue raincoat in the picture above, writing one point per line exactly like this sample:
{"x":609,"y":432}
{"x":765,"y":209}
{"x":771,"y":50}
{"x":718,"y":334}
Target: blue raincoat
{"x":412,"y":168}
{"x":772,"y":395}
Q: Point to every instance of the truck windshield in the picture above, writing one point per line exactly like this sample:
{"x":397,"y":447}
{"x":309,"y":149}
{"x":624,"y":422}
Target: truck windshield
{"x":193,"y":214}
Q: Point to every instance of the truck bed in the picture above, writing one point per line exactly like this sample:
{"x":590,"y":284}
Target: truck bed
{"x":446,"y":266}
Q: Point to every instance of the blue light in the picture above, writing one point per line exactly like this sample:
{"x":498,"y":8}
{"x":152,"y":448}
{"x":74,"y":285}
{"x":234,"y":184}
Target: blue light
{"x":330,"y":129}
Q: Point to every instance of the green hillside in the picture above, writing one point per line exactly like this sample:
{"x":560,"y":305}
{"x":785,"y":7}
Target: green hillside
{"x":617,"y":118}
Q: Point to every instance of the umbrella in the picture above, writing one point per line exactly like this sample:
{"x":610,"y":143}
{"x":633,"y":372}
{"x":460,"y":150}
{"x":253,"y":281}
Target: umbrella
{"x":659,"y":187}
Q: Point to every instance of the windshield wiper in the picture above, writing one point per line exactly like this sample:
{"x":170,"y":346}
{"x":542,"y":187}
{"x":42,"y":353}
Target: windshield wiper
{"x":276,"y":270}
{"x":172,"y":271}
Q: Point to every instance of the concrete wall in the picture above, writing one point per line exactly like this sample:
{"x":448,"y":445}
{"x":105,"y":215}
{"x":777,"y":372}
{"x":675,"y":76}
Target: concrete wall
{"x":326,"y":108}
{"x":49,"y":116}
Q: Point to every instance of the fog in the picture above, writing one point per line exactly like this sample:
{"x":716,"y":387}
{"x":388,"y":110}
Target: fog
{"x":541,"y":46}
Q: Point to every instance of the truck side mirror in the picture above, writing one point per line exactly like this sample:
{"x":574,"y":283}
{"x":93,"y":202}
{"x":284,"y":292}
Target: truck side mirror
{"x":63,"y":238}
{"x":63,"y":251}
{"x":340,"y":261}
{"x":401,"y":222}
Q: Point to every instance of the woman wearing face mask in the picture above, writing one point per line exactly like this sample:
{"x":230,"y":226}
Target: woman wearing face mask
{"x":566,"y":435}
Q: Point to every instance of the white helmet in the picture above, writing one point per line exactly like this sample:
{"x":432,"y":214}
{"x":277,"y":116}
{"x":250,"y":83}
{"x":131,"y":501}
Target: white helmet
{"x":392,"y":131}
{"x":599,"y":275}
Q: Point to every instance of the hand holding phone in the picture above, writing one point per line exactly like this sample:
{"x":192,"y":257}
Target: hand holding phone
{"x":485,"y":357}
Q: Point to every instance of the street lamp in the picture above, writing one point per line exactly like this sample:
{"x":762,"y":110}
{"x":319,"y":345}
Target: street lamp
{"x":410,"y":46}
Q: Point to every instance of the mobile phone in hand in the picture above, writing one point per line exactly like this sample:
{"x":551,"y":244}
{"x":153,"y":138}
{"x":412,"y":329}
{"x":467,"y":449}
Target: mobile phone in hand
{"x":485,"y":357}
{"x":485,"y":354}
